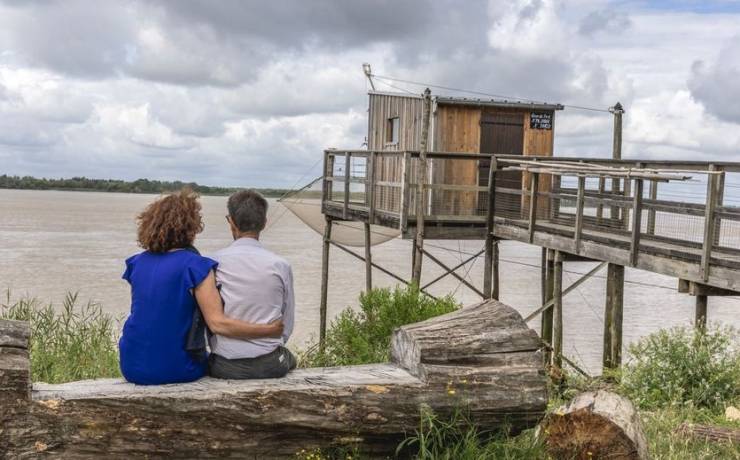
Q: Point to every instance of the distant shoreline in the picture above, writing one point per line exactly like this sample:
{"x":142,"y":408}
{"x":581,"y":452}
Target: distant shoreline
{"x":270,"y":193}
{"x":139,"y":186}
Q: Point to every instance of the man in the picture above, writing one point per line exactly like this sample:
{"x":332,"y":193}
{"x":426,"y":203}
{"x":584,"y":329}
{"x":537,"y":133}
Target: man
{"x":256,"y":286}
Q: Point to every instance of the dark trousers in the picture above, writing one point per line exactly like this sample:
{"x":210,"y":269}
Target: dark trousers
{"x":272,"y":365}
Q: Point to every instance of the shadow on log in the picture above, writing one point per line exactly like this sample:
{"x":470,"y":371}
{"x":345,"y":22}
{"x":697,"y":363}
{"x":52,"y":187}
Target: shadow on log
{"x":482,"y":358}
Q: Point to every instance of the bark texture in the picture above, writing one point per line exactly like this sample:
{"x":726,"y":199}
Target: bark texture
{"x":596,"y":424}
{"x":483,"y":358}
{"x":711,"y":433}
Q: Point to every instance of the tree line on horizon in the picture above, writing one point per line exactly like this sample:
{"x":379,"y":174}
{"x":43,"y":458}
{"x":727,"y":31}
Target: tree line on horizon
{"x":121,"y":186}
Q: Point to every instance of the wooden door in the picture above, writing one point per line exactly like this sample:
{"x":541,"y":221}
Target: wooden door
{"x":502,"y":133}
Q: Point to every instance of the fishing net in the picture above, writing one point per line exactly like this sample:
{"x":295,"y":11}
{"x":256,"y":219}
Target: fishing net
{"x":306,"y":205}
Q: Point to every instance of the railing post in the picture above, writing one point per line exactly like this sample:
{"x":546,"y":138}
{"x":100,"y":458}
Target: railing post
{"x":580,"y":199}
{"x":347,"y":166}
{"x":405,"y":193}
{"x":651,"y":212}
{"x":370,"y":187}
{"x":709,"y":221}
{"x":636,"y":222}
{"x":534,"y":179}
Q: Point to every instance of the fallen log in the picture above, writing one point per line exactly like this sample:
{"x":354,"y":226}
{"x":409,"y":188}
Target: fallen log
{"x":481,"y":358}
{"x":710,"y":433}
{"x":595,"y":424}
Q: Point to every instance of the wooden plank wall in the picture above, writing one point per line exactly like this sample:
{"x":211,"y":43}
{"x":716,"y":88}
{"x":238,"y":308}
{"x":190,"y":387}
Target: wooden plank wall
{"x":538,"y":142}
{"x":456,"y":129}
{"x":382,"y":107}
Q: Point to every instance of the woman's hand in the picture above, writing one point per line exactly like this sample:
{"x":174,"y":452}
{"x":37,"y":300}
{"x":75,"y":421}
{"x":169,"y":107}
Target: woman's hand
{"x":210,"y":304}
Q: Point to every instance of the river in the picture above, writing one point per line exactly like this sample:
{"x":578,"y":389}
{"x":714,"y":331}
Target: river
{"x":53,"y":242}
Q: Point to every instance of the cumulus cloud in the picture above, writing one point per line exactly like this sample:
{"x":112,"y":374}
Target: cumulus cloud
{"x":230,"y":92}
{"x":607,"y":20}
{"x":716,"y":84}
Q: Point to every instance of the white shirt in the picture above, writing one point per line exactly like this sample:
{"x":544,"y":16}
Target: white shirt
{"x":257,"y":287}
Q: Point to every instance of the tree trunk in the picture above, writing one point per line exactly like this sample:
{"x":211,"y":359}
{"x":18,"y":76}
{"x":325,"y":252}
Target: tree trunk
{"x":595,"y":425}
{"x":482,"y":358}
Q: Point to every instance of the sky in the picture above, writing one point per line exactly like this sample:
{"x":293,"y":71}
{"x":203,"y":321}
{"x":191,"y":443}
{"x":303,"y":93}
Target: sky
{"x":249,"y":93}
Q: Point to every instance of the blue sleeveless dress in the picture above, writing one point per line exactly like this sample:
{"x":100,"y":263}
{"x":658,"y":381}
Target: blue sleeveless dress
{"x":153,"y":343}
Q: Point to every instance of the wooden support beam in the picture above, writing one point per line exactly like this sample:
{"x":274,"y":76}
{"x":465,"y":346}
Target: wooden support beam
{"x":453,"y":269}
{"x":557,"y":318}
{"x":378,"y":267}
{"x":700,"y":317}
{"x":421,"y":193}
{"x":613,"y":316}
{"x":720,"y":203}
{"x":324,"y":281}
{"x":578,"y":230}
{"x":490,"y":212}
{"x":451,"y":272}
{"x":534,"y":179}
{"x":368,"y":259}
{"x":546,"y":326}
{"x":694,"y":288}
{"x":549,"y":302}
{"x":713,"y":192}
{"x":636,"y":222}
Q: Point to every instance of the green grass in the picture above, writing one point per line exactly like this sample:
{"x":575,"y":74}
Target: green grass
{"x":75,"y":342}
{"x":363,"y":336}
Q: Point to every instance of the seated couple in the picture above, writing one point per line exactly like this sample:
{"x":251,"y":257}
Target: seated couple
{"x":244,"y":294}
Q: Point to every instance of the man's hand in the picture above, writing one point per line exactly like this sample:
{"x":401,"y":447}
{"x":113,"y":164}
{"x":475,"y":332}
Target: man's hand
{"x":275,"y":328}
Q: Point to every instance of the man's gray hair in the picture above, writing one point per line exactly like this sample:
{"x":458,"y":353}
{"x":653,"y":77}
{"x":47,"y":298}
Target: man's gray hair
{"x":248,"y":210}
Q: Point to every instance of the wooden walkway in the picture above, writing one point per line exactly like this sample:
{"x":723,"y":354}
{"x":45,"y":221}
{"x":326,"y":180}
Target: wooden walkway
{"x":679,"y":219}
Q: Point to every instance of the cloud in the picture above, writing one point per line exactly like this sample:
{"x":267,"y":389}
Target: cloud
{"x":250,"y":93}
{"x":716,"y":85}
{"x":604,"y":21}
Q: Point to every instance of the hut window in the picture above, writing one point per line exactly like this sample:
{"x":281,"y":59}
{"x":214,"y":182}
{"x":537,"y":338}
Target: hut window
{"x":392,"y":129}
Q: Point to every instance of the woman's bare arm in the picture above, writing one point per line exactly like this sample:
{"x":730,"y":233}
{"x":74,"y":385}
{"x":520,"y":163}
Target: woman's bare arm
{"x":210,"y":304}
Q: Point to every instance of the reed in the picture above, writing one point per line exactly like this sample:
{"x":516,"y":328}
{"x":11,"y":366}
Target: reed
{"x":74,"y":342}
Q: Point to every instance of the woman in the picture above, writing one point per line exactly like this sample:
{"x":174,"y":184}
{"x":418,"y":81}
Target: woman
{"x":168,"y":282}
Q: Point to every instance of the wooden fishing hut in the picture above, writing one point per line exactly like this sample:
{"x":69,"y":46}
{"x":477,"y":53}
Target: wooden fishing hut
{"x":456,"y":168}
{"x":461,"y":125}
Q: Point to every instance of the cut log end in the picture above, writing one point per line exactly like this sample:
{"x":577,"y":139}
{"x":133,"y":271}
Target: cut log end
{"x":595,"y":425}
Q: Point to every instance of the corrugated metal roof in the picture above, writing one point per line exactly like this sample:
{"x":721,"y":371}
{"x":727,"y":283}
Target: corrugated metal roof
{"x":450,"y":100}
{"x":497,"y":103}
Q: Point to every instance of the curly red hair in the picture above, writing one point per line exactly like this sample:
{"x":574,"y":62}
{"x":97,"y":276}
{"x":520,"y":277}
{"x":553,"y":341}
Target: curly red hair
{"x":171,"y":222}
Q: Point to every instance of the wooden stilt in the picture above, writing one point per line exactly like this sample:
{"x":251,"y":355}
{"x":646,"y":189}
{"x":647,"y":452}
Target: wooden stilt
{"x":490,"y":285}
{"x":546,"y":327}
{"x":613,"y":316}
{"x":421,"y":193}
{"x":324,"y":282}
{"x":368,"y":260}
{"x":557,"y":317}
{"x":495,"y":293}
{"x":700,"y":321}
